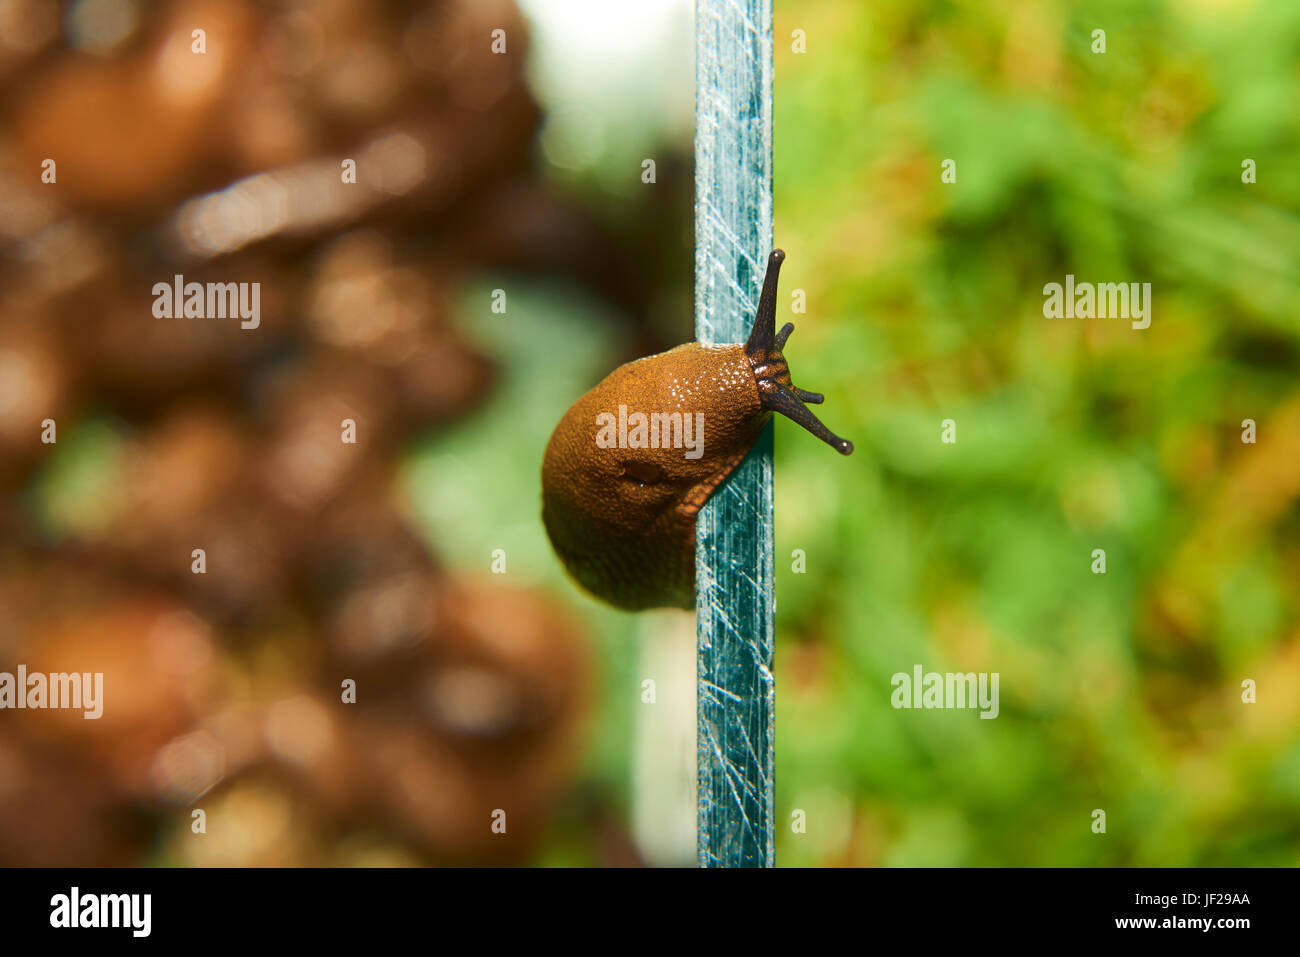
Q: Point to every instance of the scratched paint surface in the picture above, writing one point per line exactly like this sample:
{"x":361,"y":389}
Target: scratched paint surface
{"x":734,"y":577}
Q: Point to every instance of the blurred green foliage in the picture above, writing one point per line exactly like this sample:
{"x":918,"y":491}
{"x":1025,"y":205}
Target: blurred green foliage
{"x":1119,"y":691}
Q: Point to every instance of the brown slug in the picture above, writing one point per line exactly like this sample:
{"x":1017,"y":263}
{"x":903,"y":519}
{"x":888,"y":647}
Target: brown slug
{"x":632,"y":461}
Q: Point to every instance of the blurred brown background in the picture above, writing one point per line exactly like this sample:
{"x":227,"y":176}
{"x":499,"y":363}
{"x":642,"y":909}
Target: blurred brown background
{"x":223,"y":689}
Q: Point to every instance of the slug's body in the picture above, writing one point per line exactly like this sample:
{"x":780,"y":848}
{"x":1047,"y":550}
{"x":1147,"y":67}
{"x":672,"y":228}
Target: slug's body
{"x":633,"y":460}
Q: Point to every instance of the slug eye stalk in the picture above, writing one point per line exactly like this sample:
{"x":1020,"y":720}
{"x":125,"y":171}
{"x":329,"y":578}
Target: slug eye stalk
{"x":776,"y":391}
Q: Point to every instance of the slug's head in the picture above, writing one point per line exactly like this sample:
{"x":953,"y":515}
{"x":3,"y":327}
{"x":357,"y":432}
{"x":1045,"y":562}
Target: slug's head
{"x":776,"y":391}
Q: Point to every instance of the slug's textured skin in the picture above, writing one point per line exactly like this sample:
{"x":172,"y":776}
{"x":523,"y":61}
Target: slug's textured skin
{"x":622,"y":519}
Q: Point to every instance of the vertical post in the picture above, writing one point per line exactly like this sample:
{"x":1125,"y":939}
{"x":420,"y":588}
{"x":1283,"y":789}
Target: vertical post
{"x":733,"y":565}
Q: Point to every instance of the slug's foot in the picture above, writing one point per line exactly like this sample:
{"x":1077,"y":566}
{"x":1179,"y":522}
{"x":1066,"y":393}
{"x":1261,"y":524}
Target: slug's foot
{"x":764,"y":349}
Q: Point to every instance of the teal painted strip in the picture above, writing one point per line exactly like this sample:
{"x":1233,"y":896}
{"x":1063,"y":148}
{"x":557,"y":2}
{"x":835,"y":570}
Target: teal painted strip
{"x":734,"y":577}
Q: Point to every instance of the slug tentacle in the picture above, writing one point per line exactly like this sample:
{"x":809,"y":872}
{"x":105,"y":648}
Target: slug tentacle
{"x":776,"y":391}
{"x":763,"y":333}
{"x":783,"y":400}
